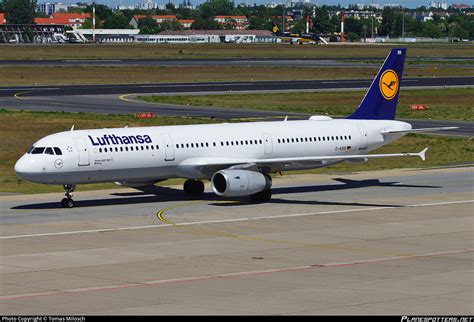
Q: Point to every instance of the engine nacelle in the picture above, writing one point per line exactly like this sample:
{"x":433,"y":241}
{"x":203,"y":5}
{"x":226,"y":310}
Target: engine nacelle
{"x":238,"y":183}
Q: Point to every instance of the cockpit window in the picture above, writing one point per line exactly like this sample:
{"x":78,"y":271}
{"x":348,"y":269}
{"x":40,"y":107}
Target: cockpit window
{"x":30,"y":149}
{"x":37,"y":151}
{"x":58,"y":151}
{"x":49,"y":151}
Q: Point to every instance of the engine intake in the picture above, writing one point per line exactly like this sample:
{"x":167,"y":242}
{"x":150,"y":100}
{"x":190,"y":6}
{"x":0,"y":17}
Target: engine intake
{"x":237,"y":183}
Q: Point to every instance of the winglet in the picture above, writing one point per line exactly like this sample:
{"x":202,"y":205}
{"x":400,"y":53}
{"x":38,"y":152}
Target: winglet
{"x":422,"y":154}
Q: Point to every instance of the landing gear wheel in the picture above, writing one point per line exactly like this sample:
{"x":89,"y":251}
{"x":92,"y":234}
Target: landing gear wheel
{"x":67,"y":203}
{"x":262,"y":196}
{"x":193,"y":187}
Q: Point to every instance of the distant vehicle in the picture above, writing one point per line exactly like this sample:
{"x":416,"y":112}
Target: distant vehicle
{"x":238,"y":158}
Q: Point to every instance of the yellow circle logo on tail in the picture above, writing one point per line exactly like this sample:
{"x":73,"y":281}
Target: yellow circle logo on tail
{"x":388,"y":84}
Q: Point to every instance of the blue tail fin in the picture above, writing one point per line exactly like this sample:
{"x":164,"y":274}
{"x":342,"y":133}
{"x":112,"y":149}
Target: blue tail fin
{"x":380,"y":101}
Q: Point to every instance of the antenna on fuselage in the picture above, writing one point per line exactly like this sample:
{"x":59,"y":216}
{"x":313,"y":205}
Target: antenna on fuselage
{"x":72,"y":128}
{"x":286,"y":118}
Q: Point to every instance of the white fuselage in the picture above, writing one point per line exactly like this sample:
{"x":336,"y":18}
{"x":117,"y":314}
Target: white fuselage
{"x":149,"y":154}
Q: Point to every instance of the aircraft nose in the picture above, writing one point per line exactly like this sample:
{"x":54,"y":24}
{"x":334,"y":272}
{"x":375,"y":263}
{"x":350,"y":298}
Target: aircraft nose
{"x":25,"y":167}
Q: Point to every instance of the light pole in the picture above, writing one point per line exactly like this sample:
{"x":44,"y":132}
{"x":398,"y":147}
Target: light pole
{"x":372,"y":21}
{"x":342,"y":27}
{"x":93,"y":21}
{"x":403,"y":19}
{"x":283,"y":19}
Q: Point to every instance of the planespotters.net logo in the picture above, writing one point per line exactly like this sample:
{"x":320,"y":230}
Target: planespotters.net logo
{"x":437,"y":319}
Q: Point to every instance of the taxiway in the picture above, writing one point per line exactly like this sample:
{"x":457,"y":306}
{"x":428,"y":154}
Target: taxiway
{"x":385,"y":242}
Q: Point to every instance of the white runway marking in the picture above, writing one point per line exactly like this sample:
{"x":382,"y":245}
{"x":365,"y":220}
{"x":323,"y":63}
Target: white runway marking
{"x":232,"y":220}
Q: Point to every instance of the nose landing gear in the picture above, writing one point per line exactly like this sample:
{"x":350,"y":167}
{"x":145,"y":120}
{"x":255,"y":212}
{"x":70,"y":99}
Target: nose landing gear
{"x":68,"y":202}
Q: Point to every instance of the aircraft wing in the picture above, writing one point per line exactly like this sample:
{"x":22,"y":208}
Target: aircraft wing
{"x":426,"y":129}
{"x":213,"y":164}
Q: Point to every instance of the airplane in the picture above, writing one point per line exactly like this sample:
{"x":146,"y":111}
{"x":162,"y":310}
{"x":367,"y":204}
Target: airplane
{"x":297,"y":38}
{"x":237,"y":158}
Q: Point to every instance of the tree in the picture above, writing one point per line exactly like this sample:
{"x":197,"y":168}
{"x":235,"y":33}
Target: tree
{"x":102,"y":12}
{"x":19,"y":11}
{"x":456,"y":31}
{"x":117,"y":21}
{"x":148,"y":26}
{"x":212,"y":8}
{"x":205,"y":24}
{"x":387,"y":21}
{"x":172,"y":25}
{"x":299,"y":26}
{"x":431,"y":29}
{"x":88,"y":24}
{"x":352,"y":36}
{"x":322,"y":21}
{"x":170,"y":8}
{"x":257,"y":23}
{"x":353,"y":25}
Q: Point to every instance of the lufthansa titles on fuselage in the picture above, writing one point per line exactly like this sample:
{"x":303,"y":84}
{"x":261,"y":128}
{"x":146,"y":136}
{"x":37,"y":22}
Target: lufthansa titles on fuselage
{"x":112,"y":139}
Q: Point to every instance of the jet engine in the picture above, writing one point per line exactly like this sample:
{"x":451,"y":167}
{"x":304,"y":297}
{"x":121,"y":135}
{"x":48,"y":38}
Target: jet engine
{"x":237,"y":183}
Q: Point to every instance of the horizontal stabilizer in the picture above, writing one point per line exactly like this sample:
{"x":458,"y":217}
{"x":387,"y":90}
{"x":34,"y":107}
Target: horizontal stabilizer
{"x":426,"y":129}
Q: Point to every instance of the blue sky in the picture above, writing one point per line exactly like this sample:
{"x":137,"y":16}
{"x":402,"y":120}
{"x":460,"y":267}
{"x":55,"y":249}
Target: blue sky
{"x":408,"y":3}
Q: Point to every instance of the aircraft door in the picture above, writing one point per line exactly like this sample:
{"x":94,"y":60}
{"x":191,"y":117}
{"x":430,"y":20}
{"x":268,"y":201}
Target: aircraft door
{"x":363,"y":137}
{"x":169,"y":149}
{"x":267,"y":140}
{"x":83,"y":151}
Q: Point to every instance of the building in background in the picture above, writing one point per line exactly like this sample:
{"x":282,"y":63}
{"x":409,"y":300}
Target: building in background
{"x":158,"y":18}
{"x":213,"y":36}
{"x":438,"y":5}
{"x":146,"y":5}
{"x":233,"y":22}
{"x":73,"y":20}
{"x":49,"y":8}
{"x":460,"y":6}
{"x":186,"y":23}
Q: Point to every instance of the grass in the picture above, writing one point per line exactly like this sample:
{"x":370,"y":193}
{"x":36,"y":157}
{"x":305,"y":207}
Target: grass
{"x":445,"y":104}
{"x":215,"y":51}
{"x":33,"y":125}
{"x":73,"y":75}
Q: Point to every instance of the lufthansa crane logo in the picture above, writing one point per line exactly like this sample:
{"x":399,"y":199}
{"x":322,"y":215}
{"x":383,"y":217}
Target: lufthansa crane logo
{"x":58,"y":163}
{"x":388,"y":84}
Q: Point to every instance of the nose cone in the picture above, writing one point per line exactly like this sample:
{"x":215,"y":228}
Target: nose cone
{"x":26,"y":168}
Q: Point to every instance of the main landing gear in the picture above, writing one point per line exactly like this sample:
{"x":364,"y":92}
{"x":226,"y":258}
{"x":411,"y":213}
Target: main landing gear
{"x":193,"y":187}
{"x":262,"y":196}
{"x":68,"y":202}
